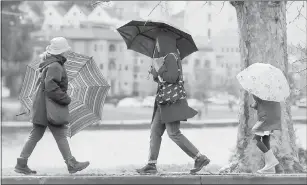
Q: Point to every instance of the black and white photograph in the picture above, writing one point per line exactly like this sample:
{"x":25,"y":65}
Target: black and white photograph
{"x":153,"y":92}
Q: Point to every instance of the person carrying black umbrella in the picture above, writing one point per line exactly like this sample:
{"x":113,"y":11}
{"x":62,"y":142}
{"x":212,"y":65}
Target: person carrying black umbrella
{"x":168,"y":116}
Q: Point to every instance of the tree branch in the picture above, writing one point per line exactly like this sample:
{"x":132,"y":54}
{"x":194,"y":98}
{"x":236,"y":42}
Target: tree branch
{"x":289,"y":5}
{"x":222,"y":7}
{"x":154,"y":7}
{"x":299,"y":60}
{"x":301,"y":70}
{"x":299,"y":13}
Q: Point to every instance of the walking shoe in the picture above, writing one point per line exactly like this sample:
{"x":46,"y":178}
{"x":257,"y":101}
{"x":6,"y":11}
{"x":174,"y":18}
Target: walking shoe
{"x":269,"y":171}
{"x":270,"y":162}
{"x":148,"y":169}
{"x":74,"y":166}
{"x":200,"y":162}
{"x":22,"y":167}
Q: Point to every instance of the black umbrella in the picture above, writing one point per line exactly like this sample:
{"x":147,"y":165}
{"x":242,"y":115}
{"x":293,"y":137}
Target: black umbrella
{"x":140,"y":36}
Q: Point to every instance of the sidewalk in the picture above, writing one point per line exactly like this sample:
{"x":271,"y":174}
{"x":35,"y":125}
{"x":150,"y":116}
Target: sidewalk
{"x":160,"y":179}
{"x":135,"y":124}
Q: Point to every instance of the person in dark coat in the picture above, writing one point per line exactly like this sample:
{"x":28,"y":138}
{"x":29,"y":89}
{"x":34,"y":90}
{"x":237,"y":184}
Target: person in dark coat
{"x":168,"y":117}
{"x":54,"y":87}
{"x":268,"y":120}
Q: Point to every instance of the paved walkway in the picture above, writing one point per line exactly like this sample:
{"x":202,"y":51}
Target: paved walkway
{"x":160,"y":179}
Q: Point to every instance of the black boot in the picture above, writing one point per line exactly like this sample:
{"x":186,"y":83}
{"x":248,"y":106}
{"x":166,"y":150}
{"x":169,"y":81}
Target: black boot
{"x":200,"y":162}
{"x":148,"y":169}
{"x":74,"y":166}
{"x":22,"y":167}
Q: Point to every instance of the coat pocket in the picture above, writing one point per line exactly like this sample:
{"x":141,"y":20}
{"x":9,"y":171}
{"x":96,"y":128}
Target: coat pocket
{"x":57,"y":114}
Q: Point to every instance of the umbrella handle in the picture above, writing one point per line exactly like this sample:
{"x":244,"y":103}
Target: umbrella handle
{"x":21,"y":114}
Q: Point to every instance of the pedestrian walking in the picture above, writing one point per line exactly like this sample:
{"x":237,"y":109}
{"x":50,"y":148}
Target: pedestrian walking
{"x":50,"y":107}
{"x":268,"y":120}
{"x":170,"y":106}
{"x":269,"y":87}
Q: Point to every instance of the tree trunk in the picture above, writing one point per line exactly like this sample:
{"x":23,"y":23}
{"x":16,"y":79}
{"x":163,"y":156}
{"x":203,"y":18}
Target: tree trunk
{"x":262,"y":27}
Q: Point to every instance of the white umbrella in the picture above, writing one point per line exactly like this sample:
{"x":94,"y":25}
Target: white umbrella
{"x":265,"y":81}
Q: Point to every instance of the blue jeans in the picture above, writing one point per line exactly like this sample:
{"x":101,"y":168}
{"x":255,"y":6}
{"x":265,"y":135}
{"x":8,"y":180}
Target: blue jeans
{"x":59,"y":133}
{"x":173,"y":131}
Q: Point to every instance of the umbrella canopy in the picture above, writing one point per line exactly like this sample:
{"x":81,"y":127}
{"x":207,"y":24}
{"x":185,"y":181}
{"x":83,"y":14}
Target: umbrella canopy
{"x":140,"y":36}
{"x":265,"y":81}
{"x":86,"y":86}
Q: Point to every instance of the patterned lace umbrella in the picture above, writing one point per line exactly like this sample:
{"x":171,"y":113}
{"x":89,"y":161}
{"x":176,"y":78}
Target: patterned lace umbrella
{"x":87,"y":89}
{"x":265,"y":81}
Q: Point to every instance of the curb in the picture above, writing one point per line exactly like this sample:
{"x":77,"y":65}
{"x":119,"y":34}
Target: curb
{"x":145,"y":124}
{"x":187,"y":179}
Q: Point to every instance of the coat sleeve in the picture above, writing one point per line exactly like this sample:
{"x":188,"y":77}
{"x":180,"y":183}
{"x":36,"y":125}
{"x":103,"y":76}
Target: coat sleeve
{"x":53,"y":90}
{"x":169,"y":70}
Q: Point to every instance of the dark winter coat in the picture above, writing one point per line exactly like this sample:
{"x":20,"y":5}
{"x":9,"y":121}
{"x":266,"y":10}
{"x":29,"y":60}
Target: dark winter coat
{"x":268,"y":115}
{"x":179,"y":111}
{"x":54,"y":86}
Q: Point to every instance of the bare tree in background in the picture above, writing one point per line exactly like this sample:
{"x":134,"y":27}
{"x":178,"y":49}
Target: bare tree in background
{"x":263,"y":38}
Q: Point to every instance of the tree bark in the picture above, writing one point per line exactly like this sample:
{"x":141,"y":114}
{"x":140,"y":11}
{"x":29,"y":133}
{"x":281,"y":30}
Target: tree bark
{"x":263,"y":38}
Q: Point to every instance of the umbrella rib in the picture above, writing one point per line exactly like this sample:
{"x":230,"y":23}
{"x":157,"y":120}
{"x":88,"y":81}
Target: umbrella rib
{"x":150,"y":29}
{"x":157,"y":27}
{"x":147,"y":36}
{"x":135,"y":36}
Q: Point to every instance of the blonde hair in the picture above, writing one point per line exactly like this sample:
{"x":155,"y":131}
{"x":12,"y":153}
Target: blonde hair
{"x":44,"y":55}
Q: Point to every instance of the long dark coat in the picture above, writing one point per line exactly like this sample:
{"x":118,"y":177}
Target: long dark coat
{"x":54,"y":85}
{"x":268,"y":115}
{"x":179,"y":111}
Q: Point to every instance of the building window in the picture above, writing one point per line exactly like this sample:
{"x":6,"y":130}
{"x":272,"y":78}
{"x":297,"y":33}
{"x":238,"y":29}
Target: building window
{"x":197,"y":63}
{"x":101,"y":66}
{"x":98,"y":14}
{"x":135,"y":76}
{"x":135,"y":61}
{"x":50,"y":13}
{"x":75,"y":13}
{"x":222,"y":49}
{"x":209,"y":33}
{"x":232,"y":50}
{"x":112,"y":64}
{"x":227,"y":49}
{"x":126,"y":83}
{"x":95,"y":47}
{"x":126,"y":68}
{"x":101,"y":47}
{"x":209,"y":3}
{"x":112,"y":47}
{"x":222,"y":65}
{"x":209,"y":17}
{"x":50,"y":26}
